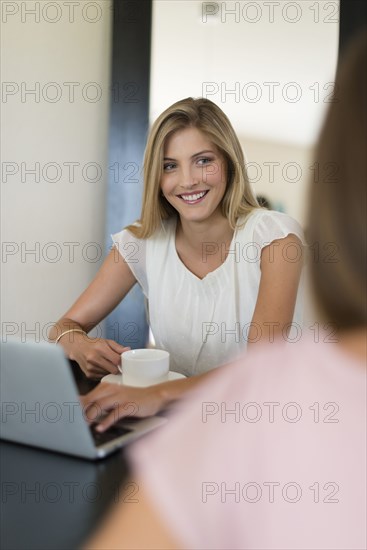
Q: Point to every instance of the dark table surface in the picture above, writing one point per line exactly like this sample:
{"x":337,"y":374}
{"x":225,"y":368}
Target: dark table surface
{"x":54,"y":501}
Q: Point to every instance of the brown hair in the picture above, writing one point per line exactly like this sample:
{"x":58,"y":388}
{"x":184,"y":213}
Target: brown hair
{"x":207,"y":117}
{"x":337,"y":210}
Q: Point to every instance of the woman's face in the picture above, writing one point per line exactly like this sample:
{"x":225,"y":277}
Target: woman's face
{"x":194,"y":175}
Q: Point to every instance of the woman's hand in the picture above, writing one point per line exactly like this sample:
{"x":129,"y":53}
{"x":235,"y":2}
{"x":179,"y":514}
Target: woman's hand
{"x":112,"y":402}
{"x":95,"y":356}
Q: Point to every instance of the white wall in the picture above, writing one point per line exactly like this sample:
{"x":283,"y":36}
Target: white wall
{"x":281,"y":172}
{"x":268,"y":65}
{"x":232,"y":57}
{"x":75,"y":48}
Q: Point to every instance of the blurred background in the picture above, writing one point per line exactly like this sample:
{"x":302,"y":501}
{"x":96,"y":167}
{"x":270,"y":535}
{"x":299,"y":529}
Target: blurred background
{"x":82,"y":81}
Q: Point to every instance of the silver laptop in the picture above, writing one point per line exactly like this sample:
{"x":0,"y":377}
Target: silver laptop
{"x":40,"y":405}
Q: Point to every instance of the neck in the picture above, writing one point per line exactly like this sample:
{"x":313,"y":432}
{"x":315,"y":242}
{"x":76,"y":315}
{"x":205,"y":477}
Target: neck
{"x":214,"y":230}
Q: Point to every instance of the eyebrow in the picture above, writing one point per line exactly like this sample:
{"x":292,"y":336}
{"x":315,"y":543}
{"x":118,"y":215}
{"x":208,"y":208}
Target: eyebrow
{"x":195,"y":155}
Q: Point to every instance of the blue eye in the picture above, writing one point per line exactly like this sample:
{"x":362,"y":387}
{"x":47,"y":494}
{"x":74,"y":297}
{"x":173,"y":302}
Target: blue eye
{"x":169,"y":166}
{"x":204,"y":160}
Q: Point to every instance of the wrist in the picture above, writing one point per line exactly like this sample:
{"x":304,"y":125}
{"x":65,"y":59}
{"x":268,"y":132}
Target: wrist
{"x":70,"y":331}
{"x":71,"y":343}
{"x":171,"y":391}
{"x":165,"y":397}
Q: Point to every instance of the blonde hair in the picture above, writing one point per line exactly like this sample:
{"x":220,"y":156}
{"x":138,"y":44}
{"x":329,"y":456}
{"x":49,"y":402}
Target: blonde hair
{"x":207,"y":117}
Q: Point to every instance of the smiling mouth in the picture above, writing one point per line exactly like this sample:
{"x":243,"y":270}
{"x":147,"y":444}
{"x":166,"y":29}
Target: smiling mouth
{"x":193,"y":198}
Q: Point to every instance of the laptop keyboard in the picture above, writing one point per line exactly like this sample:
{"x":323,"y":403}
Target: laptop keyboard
{"x":109,"y":435}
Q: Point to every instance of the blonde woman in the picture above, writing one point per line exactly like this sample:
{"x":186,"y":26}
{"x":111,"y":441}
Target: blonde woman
{"x":218,"y":271}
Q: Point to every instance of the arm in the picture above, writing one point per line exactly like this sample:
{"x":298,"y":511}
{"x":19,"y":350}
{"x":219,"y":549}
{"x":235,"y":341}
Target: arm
{"x":121,"y":401}
{"x":96,"y":357}
{"x":281,"y":265}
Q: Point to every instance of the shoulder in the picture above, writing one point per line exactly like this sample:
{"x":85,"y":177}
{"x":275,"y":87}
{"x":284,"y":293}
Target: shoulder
{"x":126,"y":236}
{"x":233,"y":405}
{"x":304,"y":367}
{"x":264,"y":226}
{"x":166,"y":229}
{"x":301,"y":369}
{"x":270,"y":402}
{"x":158,"y":243}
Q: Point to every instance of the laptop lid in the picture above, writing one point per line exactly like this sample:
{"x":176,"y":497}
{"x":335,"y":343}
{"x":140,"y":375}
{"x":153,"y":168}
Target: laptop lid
{"x":40,"y":404}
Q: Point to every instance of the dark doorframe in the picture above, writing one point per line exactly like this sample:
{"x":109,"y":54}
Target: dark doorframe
{"x":353,"y":16}
{"x":129,"y":120}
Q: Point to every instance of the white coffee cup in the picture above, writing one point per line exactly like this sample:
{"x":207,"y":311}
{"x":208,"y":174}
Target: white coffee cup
{"x":143,"y":367}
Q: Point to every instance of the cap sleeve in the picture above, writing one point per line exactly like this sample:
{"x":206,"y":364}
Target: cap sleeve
{"x":271,"y":225}
{"x":133,"y":251}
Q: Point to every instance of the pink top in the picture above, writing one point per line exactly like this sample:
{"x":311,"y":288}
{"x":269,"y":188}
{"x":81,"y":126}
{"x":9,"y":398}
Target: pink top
{"x":268,"y":454}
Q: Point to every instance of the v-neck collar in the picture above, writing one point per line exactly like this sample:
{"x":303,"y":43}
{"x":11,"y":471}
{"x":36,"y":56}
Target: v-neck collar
{"x":178,"y":260}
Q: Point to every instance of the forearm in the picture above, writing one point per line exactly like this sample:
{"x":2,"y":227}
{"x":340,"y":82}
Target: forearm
{"x":171,"y":391}
{"x":116,"y":399}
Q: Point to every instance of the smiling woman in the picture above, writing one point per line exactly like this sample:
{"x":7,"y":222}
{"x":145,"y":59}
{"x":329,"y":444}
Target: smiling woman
{"x":218,"y":271}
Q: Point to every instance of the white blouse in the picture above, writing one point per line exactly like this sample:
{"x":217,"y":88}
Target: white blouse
{"x":205,"y":322}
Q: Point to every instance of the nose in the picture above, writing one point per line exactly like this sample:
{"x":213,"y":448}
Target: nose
{"x":188,"y":178}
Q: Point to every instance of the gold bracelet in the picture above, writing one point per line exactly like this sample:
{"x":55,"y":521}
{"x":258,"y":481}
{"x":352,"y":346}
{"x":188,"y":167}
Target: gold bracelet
{"x":70,"y":330}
